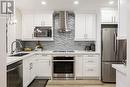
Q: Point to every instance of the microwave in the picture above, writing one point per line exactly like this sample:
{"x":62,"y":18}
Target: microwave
{"x":43,"y":31}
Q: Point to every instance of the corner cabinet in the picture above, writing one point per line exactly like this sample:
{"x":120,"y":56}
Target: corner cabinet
{"x":87,"y":67}
{"x":29,"y":21}
{"x":28,"y":71}
{"x":36,"y":66}
{"x":85,"y":27}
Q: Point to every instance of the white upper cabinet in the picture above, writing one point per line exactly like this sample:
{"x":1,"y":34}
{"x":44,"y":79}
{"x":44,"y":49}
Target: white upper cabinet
{"x":27,"y":27}
{"x":123,"y":15}
{"x":43,"y":20}
{"x":85,"y":27}
{"x":109,"y":16}
{"x":29,"y":21}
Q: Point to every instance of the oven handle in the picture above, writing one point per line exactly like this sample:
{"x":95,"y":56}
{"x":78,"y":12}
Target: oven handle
{"x":63,"y":60}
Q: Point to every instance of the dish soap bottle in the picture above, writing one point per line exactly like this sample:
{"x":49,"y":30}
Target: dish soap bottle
{"x":38,"y":47}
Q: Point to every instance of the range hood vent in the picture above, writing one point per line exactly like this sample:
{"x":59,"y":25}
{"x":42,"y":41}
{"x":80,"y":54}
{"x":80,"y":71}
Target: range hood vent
{"x":63,"y":21}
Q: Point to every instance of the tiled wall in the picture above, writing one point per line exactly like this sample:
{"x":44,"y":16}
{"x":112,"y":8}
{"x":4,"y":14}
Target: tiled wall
{"x":62,"y":41}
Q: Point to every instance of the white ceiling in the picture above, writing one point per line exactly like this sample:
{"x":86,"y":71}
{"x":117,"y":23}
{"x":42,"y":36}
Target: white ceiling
{"x":35,"y":5}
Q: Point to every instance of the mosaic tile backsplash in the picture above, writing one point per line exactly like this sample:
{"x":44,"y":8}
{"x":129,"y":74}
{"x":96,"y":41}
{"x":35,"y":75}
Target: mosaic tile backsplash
{"x":62,"y":41}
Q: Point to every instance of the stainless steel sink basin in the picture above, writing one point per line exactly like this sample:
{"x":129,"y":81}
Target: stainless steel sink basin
{"x":19,"y":54}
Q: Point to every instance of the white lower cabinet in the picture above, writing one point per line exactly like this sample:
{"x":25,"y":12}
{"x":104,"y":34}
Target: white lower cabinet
{"x":28,"y":71}
{"x":87,"y":66}
{"x":43,"y":68}
{"x":78,"y":66}
{"x":38,"y":65}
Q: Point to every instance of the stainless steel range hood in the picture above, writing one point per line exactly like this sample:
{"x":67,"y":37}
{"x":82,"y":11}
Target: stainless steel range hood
{"x":63,"y":21}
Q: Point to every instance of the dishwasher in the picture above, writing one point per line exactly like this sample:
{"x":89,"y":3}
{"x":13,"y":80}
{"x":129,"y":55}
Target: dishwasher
{"x":15,"y":75}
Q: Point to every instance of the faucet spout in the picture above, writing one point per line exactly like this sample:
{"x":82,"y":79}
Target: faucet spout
{"x":12,"y":44}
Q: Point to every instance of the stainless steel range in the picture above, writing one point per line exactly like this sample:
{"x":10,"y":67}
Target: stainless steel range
{"x":63,"y":66}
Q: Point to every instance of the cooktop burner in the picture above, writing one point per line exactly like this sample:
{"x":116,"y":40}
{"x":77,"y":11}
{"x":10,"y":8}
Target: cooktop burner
{"x":63,"y":51}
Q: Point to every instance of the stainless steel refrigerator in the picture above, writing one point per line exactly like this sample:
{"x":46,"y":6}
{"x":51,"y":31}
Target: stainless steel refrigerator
{"x":113,"y":52}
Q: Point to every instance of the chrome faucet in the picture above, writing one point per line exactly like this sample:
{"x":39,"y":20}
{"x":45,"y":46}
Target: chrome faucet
{"x":12,"y":51}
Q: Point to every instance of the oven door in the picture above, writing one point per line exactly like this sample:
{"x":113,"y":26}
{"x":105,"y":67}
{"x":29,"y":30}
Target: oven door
{"x":63,"y":69}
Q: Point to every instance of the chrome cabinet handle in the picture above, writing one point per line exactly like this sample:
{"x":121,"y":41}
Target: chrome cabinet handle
{"x":91,"y":61}
{"x":44,"y":55}
{"x":49,"y":63}
{"x":90,"y":55}
{"x":31,"y":65}
{"x":90,"y":69}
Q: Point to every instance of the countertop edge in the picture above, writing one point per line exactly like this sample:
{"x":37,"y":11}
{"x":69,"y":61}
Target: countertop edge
{"x":120,"y":67}
{"x":15,"y":59}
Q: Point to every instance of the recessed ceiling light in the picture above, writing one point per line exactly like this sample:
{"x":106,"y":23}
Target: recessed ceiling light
{"x":43,"y":3}
{"x":111,"y":2}
{"x":76,"y":2}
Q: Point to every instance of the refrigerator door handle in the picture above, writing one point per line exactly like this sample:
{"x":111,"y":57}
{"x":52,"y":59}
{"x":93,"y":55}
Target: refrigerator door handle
{"x":115,"y":42}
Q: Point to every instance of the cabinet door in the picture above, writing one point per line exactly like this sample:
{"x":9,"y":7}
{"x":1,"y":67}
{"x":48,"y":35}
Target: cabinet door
{"x":90,"y":66}
{"x":43,"y":68}
{"x":47,"y":19}
{"x":80,"y":26}
{"x":123,"y":17}
{"x":90,"y":71}
{"x":90,"y":25}
{"x":26,"y":73}
{"x":43,"y":20}
{"x":38,"y":20}
{"x":78,"y":66}
{"x":27,"y":26}
{"x":109,"y":16}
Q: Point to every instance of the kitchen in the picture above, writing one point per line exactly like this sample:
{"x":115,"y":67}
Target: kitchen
{"x":52,"y":45}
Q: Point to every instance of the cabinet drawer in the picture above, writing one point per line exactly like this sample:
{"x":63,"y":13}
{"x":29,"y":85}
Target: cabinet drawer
{"x":42,"y":56}
{"x":91,"y":60}
{"x":91,"y":71}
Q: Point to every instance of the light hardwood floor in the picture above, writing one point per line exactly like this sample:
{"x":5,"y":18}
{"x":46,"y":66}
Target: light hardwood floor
{"x":69,"y":83}
{"x":78,"y":83}
{"x":105,"y":85}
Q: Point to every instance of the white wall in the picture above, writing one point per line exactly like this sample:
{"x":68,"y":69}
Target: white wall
{"x":128,"y":37}
{"x":125,"y":17}
{"x":2,"y":51}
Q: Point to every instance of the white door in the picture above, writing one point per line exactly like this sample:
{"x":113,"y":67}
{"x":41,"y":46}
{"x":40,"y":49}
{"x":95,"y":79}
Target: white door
{"x":90,"y":26}
{"x":37,"y":20}
{"x":109,"y":15}
{"x":26,"y":73}
{"x":47,"y":20}
{"x":90,"y":66}
{"x":79,"y":66}
{"x":43,"y":68}
{"x":27,"y":27}
{"x":80,"y":26}
{"x":32,"y":70}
